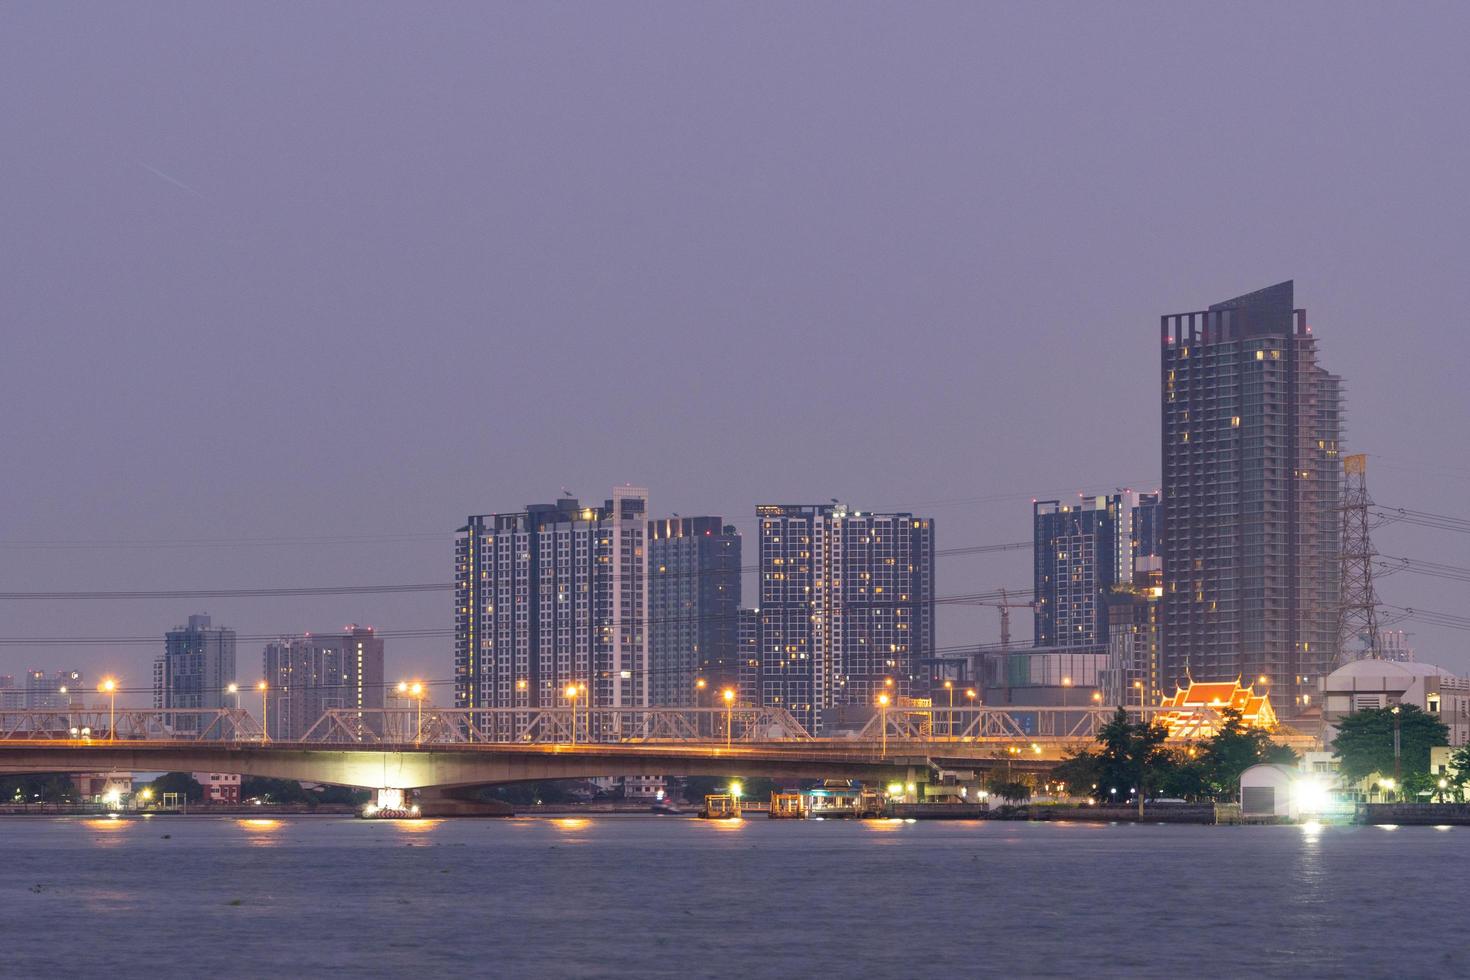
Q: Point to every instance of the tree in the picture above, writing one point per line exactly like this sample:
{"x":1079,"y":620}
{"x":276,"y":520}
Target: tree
{"x":43,"y":787}
{"x":1364,"y":743}
{"x":1013,"y":791}
{"x":177,"y":782}
{"x":274,"y":790}
{"x":1233,"y":749}
{"x":1132,"y":756}
{"x":1080,"y":772}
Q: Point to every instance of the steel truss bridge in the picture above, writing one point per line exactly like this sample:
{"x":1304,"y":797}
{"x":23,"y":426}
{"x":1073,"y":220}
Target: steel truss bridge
{"x":413,"y":747}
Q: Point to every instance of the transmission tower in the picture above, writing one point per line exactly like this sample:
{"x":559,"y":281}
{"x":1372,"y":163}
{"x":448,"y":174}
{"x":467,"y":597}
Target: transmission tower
{"x":1357,"y":611}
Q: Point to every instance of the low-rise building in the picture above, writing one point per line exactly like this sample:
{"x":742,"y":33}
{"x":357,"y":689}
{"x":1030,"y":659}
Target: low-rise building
{"x":219,"y":787}
{"x":1382,"y":683}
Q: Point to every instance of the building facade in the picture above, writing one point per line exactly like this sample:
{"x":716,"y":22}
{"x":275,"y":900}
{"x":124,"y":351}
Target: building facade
{"x":1252,"y":484}
{"x":847,"y":606}
{"x":1080,"y":553}
{"x":54,"y":689}
{"x":551,"y":597}
{"x":309,"y":674}
{"x":1134,"y":638}
{"x":748,"y":678}
{"x":196,"y":668}
{"x":693,"y":608}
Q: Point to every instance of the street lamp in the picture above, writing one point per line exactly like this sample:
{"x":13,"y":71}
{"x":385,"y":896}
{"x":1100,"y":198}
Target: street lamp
{"x":233,"y":688}
{"x":1066,"y":690}
{"x":883,"y":700}
{"x":949,"y":689}
{"x":415,"y":690}
{"x":1138,"y":686}
{"x":571,"y":693}
{"x":265,"y":710}
{"x":729,"y":695}
{"x":1395,"y":711}
{"x":109,"y":687}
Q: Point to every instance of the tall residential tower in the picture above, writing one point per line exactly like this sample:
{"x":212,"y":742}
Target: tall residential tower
{"x":1080,"y":553}
{"x":550,"y":597}
{"x":1252,"y":485}
{"x":196,"y":668}
{"x":693,"y":608}
{"x":846,"y":606}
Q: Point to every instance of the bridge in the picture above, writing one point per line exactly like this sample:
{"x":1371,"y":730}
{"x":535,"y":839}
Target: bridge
{"x":417,"y":748}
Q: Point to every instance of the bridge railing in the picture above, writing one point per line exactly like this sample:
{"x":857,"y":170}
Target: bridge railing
{"x":456,"y":726}
{"x":1050,"y":723}
{"x":92,"y":725}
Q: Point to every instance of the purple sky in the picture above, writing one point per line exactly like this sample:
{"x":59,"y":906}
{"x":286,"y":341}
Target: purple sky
{"x":277,"y":272}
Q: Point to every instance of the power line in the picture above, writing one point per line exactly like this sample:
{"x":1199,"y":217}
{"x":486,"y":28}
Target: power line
{"x":383,"y":589}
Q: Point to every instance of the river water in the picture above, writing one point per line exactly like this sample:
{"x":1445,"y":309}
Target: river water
{"x":674,"y":897}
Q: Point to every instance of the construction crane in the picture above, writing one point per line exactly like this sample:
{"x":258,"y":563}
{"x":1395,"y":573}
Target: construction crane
{"x":990,"y":665}
{"x":1005,"y":606}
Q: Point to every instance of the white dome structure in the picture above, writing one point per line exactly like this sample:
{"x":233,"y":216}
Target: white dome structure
{"x":1364,"y":684}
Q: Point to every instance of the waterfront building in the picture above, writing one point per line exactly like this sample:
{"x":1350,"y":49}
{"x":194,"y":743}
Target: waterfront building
{"x":1081,"y":552}
{"x":219,"y":787}
{"x":1252,"y":485}
{"x":846,"y":606}
{"x":551,"y":597}
{"x":311,"y":673}
{"x":1194,"y":711}
{"x":54,"y":689}
{"x":693,"y":608}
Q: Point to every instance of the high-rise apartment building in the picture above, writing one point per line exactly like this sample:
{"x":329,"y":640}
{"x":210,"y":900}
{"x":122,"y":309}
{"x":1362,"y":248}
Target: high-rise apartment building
{"x":550,"y":597}
{"x":1252,"y":487}
{"x":693,"y":607}
{"x":195,"y":669}
{"x":56,"y":689}
{"x":12,"y":695}
{"x":847,"y":605}
{"x":748,"y":678}
{"x":311,"y":673}
{"x":1081,"y":552}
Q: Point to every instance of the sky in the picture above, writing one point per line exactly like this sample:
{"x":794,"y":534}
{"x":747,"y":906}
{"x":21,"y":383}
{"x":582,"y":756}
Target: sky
{"x":291,"y":289}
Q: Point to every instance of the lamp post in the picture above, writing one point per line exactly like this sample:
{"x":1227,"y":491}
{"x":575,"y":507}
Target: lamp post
{"x":233,"y":688}
{"x":883,"y":700}
{"x":415,"y":690}
{"x":949,"y":718}
{"x":699,"y":685}
{"x":1395,"y":744}
{"x":1138,"y":686}
{"x":109,"y":687}
{"x":729,"y":695}
{"x":265,"y":710}
{"x":971,"y":694}
{"x":571,"y":693}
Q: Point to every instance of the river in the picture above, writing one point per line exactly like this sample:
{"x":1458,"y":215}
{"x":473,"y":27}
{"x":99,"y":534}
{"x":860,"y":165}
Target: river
{"x":673,"y":897}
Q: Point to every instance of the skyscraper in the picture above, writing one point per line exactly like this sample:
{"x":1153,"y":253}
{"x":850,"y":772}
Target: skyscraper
{"x":847,"y":605}
{"x":311,"y":673}
{"x":196,"y":667}
{"x":1252,"y":486}
{"x":1081,"y":552}
{"x":693,"y":603}
{"x":552,"y":596}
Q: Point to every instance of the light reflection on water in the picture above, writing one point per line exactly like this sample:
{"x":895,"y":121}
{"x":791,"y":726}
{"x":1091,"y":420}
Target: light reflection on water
{"x":756,"y":892}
